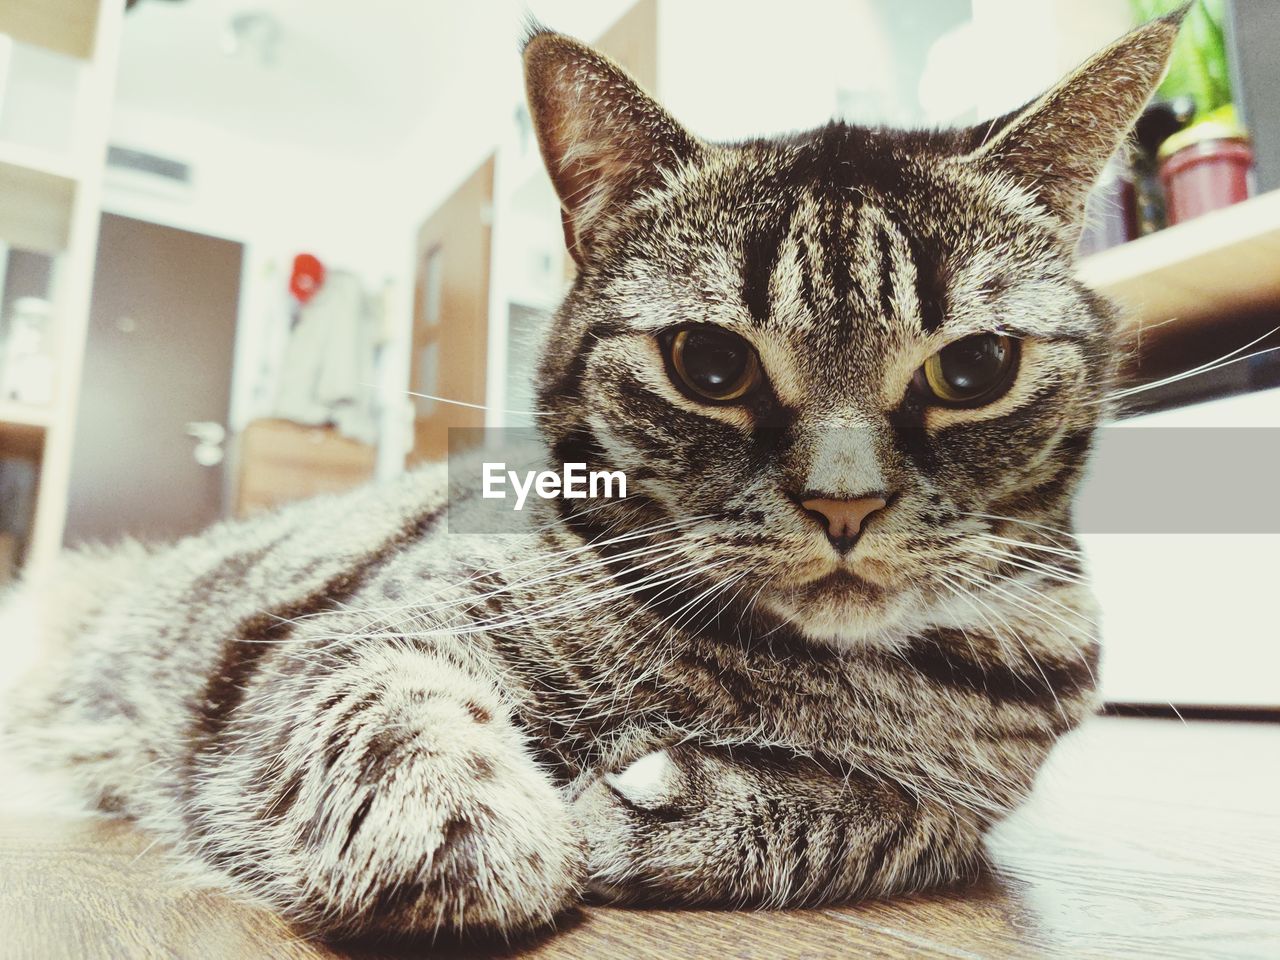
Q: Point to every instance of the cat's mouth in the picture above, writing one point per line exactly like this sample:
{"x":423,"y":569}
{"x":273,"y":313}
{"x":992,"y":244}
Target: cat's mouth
{"x":842,"y":606}
{"x":839,"y":584}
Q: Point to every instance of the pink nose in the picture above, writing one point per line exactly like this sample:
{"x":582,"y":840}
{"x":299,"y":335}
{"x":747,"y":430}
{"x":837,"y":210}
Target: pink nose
{"x":844,"y":518}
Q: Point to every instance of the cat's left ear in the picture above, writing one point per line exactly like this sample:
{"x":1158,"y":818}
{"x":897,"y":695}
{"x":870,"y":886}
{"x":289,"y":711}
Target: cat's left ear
{"x":1057,"y":145}
{"x":603,"y":139}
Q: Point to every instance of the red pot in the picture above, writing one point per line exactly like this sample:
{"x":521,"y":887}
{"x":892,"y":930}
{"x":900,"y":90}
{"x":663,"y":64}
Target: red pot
{"x":1205,"y":173}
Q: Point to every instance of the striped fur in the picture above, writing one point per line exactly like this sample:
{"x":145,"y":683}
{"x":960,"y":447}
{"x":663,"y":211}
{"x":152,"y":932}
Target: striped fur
{"x":685,"y":697}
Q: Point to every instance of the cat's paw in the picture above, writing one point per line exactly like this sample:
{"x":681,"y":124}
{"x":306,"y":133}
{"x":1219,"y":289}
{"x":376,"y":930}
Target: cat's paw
{"x":419,"y":810}
{"x":628,"y":816}
{"x":649,"y":783}
{"x":464,"y":834}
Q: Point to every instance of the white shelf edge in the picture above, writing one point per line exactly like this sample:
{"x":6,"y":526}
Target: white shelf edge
{"x":39,"y":160}
{"x":17,"y":415}
{"x":1183,"y":242}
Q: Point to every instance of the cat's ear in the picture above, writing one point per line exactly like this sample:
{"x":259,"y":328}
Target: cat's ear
{"x":1058,"y":144}
{"x":603,"y":139}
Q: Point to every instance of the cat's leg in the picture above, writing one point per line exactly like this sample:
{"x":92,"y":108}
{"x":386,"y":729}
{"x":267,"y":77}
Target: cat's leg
{"x":392,"y":795}
{"x":697,"y":825}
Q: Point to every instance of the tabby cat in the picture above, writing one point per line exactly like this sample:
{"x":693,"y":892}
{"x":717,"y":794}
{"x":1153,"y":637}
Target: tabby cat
{"x":823,"y":644}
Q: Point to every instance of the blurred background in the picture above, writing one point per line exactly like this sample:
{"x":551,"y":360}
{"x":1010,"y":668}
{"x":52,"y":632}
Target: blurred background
{"x":238,"y":236}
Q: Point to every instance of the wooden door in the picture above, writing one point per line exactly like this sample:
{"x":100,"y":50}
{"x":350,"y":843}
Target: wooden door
{"x":451,"y":314}
{"x":157,"y":384}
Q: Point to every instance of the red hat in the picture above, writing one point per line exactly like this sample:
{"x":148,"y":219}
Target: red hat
{"x":308,"y":276}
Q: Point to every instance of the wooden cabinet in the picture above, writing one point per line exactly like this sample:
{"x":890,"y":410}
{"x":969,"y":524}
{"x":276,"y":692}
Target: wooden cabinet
{"x":282,"y":461}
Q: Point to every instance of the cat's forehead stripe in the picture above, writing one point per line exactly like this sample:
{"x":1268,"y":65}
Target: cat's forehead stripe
{"x":760,"y":254}
{"x":843,"y":261}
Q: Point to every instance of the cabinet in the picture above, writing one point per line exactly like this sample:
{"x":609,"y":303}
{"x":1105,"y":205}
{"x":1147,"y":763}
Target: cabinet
{"x":282,"y":461}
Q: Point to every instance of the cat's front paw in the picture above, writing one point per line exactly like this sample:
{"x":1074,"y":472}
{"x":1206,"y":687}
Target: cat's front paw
{"x":460,"y":831}
{"x":630,"y":816}
{"x":414,"y":808}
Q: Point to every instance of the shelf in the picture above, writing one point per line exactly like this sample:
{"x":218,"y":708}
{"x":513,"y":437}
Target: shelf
{"x":37,"y":160}
{"x":64,"y":26}
{"x":22,"y":429}
{"x":1223,"y":262}
{"x":17,"y":415}
{"x":36,"y":197}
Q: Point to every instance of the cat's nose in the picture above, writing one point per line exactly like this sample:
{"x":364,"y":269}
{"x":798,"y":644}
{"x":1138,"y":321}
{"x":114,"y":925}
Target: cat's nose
{"x":843,"y":517}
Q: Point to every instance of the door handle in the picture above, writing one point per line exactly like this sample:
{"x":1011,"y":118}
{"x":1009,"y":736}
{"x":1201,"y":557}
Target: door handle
{"x":209,"y":436}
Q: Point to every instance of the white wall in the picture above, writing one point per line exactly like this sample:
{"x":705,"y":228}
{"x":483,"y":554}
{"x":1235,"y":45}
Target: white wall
{"x":1020,"y":49}
{"x":730,"y":69}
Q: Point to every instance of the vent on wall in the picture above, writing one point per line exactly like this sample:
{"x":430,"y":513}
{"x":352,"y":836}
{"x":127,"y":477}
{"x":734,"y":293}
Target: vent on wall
{"x":148,"y":172}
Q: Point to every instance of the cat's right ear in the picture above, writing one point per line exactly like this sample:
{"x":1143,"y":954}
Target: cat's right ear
{"x":603,"y":139}
{"x":1057,"y":145}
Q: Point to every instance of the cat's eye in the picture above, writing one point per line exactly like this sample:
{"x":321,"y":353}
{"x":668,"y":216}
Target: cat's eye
{"x":969,"y":372}
{"x":713,"y":364}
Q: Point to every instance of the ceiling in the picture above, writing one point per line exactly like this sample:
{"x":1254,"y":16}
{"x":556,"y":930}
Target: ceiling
{"x":361,"y":77}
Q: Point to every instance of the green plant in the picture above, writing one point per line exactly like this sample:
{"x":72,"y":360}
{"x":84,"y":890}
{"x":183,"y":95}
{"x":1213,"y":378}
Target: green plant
{"x":1198,"y":68}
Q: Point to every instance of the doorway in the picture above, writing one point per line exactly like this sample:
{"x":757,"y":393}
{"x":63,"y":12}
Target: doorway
{"x":151,"y":429}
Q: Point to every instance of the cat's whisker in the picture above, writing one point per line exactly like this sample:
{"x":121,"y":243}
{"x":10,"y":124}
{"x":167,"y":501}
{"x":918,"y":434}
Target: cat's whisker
{"x":980,"y":578}
{"x":662,"y":620}
{"x":1209,"y":367}
{"x":594,"y":562}
{"x":666,"y":626}
{"x":979,"y":606}
{"x":477,"y":406}
{"x":636,"y":533}
{"x":551,"y":611}
{"x":590,"y":548}
{"x":747,"y":607}
{"x":1040,"y":613}
{"x":1031,"y":565}
{"x":669,"y":627}
{"x":584,"y":595}
{"x":1060,"y":551}
{"x":1043,"y":615}
{"x":982,"y":584}
{"x":1023,"y":583}
{"x":977,"y":657}
{"x":1185,"y":376}
{"x":656,"y":553}
{"x":689,"y":568}
{"x":1022,"y":521}
{"x":700,"y":602}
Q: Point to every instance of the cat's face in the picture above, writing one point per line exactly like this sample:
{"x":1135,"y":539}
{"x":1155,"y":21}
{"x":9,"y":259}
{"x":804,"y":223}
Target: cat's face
{"x":827,"y":364}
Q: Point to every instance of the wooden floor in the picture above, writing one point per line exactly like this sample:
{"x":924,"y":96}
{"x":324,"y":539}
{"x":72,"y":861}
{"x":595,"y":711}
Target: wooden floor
{"x":1146,"y":838}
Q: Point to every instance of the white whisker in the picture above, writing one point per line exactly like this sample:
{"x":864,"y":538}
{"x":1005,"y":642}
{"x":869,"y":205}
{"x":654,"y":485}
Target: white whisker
{"x":1217,"y":364}
{"x":478,"y":406}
